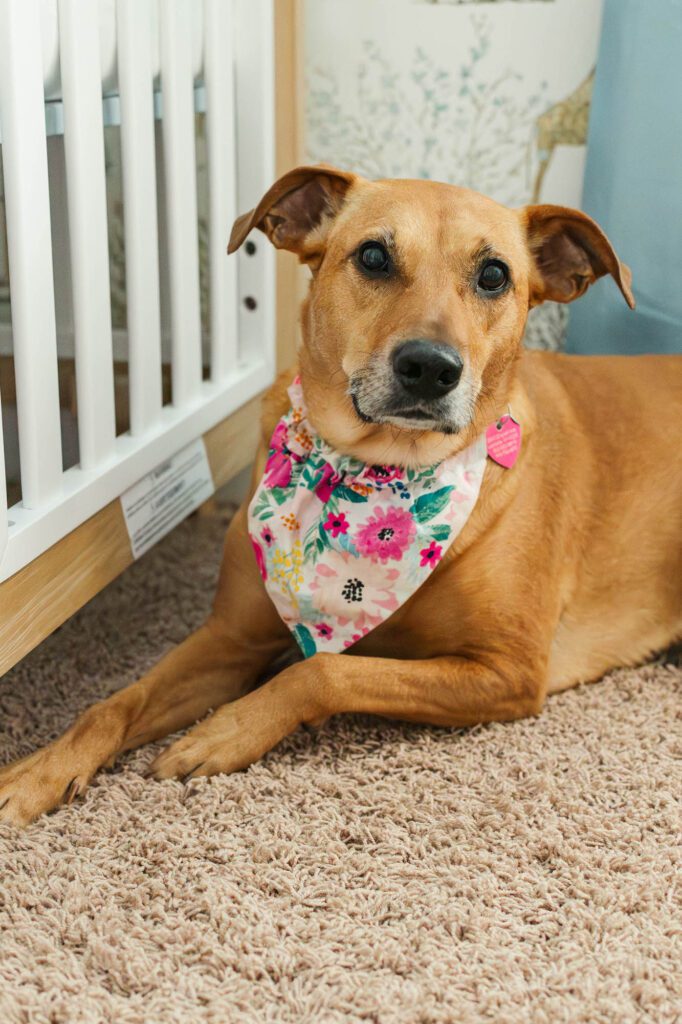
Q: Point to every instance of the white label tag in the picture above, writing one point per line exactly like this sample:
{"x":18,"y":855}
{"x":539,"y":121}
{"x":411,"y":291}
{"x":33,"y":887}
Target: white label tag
{"x":163,"y":498}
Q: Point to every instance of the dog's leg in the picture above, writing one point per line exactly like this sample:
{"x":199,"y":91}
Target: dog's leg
{"x":217,"y":663}
{"x":451,"y":691}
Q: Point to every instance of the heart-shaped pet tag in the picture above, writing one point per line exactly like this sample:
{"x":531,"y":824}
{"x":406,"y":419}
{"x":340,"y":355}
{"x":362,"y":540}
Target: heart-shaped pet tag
{"x":503,"y":441}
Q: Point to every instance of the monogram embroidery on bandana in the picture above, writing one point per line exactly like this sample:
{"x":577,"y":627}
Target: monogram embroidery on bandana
{"x":341,"y":545}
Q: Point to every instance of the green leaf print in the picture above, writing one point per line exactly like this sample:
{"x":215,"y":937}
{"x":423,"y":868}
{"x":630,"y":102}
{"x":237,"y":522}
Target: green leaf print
{"x":262,"y":509}
{"x":421,"y":475}
{"x":325,"y":535}
{"x":310,"y":476}
{"x":281,"y":494}
{"x":315,"y":540}
{"x":440,"y":532}
{"x":429,"y":505}
{"x":305,"y":641}
{"x":332,"y":505}
{"x":347,"y":494}
{"x":310,"y":546}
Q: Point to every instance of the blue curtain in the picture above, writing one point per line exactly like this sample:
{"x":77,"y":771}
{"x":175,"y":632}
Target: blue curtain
{"x":633,"y":179}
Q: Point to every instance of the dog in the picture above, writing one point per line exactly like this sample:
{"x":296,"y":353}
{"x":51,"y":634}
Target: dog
{"x":569,"y":563}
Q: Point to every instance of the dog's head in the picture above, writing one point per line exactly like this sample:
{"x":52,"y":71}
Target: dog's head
{"x":418,"y":301}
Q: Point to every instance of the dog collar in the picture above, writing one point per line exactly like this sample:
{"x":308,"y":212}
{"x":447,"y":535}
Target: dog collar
{"x":341,"y":544}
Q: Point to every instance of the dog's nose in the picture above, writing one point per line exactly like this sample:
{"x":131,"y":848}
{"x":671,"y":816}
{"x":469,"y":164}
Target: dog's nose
{"x":427,"y":369}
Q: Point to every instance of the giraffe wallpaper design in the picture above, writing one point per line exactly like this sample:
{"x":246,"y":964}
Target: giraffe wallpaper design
{"x":490,"y":94}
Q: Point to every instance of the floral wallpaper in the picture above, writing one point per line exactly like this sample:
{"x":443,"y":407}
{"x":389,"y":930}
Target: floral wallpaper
{"x":430,"y":118}
{"x":490,"y":94}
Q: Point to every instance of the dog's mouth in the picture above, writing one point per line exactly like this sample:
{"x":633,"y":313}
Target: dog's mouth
{"x":407,"y":418}
{"x":363,"y":415}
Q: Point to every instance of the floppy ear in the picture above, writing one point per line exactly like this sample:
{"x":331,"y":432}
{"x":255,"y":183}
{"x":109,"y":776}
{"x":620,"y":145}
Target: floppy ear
{"x":295,"y":206}
{"x":570,"y":251}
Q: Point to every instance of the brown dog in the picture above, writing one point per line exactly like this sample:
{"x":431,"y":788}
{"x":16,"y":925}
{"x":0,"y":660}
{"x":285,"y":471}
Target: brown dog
{"x":570,"y":563}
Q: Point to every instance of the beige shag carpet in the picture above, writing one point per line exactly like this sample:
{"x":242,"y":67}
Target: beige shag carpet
{"x":372,"y":871}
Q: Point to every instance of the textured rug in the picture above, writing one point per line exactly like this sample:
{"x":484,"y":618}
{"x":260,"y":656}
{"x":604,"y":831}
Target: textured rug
{"x":371,"y":871}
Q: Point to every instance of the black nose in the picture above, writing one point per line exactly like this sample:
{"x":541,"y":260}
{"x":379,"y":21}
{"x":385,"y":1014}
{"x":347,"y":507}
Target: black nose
{"x":427,"y":369}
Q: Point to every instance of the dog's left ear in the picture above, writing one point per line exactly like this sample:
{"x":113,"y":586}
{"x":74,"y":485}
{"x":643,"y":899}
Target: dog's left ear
{"x":294,"y":206}
{"x":570,"y":251}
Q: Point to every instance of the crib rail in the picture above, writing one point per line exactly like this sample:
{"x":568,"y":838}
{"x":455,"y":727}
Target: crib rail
{"x":151,"y":59}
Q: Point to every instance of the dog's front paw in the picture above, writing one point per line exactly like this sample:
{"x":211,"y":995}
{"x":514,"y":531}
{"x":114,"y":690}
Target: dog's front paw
{"x":209,"y":749}
{"x":187,"y":758}
{"x":37,"y":784}
{"x":234,"y":737}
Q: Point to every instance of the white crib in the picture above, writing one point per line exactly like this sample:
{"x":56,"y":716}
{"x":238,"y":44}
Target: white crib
{"x":67,"y":68}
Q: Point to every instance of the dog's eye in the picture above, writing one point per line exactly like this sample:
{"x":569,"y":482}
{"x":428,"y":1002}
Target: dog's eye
{"x":373,"y":258}
{"x":493,"y":276}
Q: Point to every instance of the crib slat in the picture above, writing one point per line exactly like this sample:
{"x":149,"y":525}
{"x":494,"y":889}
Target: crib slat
{"x":177,"y":84}
{"x":84,"y":151}
{"x":139,"y":212}
{"x":254,"y":60}
{"x":24,"y":155}
{"x":222,"y":175}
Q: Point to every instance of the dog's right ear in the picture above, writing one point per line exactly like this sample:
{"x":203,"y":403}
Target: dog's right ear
{"x":295,"y":205}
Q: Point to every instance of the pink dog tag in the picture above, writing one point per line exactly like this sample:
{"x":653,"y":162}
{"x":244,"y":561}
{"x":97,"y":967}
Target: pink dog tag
{"x":503,"y":441}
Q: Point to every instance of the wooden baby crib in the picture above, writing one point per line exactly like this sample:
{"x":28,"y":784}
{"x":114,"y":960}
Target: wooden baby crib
{"x":160,"y":394}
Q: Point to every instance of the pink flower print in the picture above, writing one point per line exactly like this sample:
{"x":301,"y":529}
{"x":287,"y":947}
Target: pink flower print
{"x":268,"y":536}
{"x":336,"y":524}
{"x":356,"y":636}
{"x":278,"y":467}
{"x":431,"y":555}
{"x":327,"y":483}
{"x":347,"y":590}
{"x":324,"y":631}
{"x":386,"y":535}
{"x":260,"y":558}
{"x":384,"y":474}
{"x":279,"y":435}
{"x":277,"y":470}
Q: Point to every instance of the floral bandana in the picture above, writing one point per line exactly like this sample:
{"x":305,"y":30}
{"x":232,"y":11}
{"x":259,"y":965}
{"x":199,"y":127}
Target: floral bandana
{"x":340,"y":544}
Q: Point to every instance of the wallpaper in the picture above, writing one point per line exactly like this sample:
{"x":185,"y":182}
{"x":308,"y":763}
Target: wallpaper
{"x":493,"y":95}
